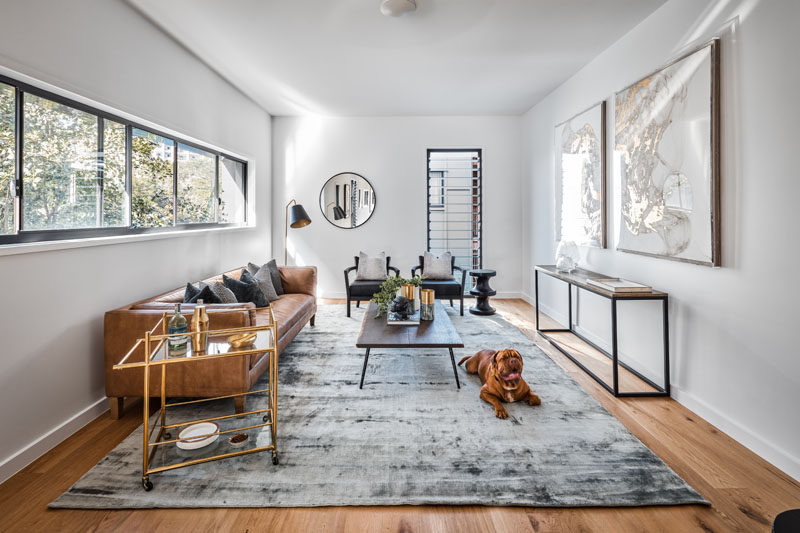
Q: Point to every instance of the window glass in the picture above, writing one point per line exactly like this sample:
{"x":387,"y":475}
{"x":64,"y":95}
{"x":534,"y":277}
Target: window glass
{"x":196,"y":185}
{"x":115,"y":197}
{"x":60,"y":185}
{"x":152,"y":189}
{"x":231,"y":190}
{"x":7,"y":158}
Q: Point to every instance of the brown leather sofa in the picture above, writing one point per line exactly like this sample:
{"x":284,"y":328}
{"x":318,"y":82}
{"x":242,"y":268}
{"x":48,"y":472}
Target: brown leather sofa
{"x":204,"y":379}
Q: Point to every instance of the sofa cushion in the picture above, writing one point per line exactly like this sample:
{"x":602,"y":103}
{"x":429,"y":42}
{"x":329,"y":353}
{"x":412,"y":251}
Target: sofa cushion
{"x":246,"y":290}
{"x":288,"y":310}
{"x":271,"y":268}
{"x":205,"y":293}
{"x":264,"y":282}
{"x":223,"y":293}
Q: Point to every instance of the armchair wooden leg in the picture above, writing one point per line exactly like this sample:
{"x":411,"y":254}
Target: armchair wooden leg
{"x":240,"y":403}
{"x":451,"y":303}
{"x":116,"y":407}
{"x":348,"y":308}
{"x":358,"y":303}
{"x":313,"y":317}
{"x":462,"y":305}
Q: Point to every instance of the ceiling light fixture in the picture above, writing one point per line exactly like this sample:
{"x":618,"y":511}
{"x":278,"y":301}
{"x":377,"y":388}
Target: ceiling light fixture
{"x":395,"y":8}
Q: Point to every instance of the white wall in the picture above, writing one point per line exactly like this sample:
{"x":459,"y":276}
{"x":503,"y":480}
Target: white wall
{"x":391,"y":153}
{"x":51,"y":322}
{"x":734,"y":346}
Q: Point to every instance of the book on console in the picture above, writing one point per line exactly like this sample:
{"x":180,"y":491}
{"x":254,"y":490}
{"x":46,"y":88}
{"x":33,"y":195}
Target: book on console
{"x":618,"y":285}
{"x":395,"y":320}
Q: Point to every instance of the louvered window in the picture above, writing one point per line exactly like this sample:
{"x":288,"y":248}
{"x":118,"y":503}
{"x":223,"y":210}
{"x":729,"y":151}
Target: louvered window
{"x":454,"y":206}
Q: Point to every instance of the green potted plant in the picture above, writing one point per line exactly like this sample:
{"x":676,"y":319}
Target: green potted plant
{"x":388,"y":291}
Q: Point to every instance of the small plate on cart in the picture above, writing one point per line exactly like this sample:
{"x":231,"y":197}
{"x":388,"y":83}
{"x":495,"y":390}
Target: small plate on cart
{"x":197,"y":431}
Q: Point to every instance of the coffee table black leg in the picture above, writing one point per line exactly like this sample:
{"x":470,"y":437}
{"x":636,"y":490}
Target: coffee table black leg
{"x":455,"y":372}
{"x":364,"y":370}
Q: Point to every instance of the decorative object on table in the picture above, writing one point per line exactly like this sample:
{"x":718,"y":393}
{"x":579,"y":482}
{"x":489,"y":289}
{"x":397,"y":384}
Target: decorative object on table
{"x":241,"y":340}
{"x":177,"y":326}
{"x":618,"y":285}
{"x":197,"y":436}
{"x":199,"y":328}
{"x":401,"y":307}
{"x":363,"y":290}
{"x":580,"y":180}
{"x":415,"y":410}
{"x":411,"y":292}
{"x":371,"y":268}
{"x":296,"y":217}
{"x":445,"y":289}
{"x":347,"y":200}
{"x":667,"y":141}
{"x":239,"y":440}
{"x":567,"y":256}
{"x":482,"y":291}
{"x":427,"y":304}
{"x":387,"y":291}
{"x":579,"y":279}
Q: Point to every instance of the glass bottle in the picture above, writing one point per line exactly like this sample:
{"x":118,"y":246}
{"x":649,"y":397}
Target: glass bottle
{"x":177,"y":324}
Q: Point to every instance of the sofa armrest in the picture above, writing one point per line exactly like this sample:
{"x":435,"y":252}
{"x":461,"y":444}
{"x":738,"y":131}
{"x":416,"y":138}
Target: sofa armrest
{"x":299,"y":280}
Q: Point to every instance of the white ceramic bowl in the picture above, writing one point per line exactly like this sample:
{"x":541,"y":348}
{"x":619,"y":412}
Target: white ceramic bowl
{"x":197,"y":431}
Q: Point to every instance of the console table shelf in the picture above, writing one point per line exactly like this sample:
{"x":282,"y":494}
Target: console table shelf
{"x":579,"y":279}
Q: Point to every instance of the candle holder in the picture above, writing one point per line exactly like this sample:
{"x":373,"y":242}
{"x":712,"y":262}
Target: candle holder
{"x":427,"y":298}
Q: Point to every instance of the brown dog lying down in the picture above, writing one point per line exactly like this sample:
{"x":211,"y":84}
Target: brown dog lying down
{"x":501,"y":375}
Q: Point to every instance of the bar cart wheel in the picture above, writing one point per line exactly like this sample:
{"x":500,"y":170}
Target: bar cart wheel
{"x":147,"y":485}
{"x":275,"y":458}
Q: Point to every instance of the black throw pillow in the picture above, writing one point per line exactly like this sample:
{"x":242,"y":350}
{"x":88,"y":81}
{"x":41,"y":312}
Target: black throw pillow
{"x":246,"y":290}
{"x":193,"y":294}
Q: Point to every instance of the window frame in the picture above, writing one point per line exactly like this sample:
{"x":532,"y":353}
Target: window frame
{"x":21,"y":236}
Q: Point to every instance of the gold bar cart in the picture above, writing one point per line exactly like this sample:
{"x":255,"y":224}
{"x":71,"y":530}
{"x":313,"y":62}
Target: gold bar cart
{"x":155,"y":350}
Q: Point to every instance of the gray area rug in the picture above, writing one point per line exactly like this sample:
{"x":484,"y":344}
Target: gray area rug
{"x":408,"y":437}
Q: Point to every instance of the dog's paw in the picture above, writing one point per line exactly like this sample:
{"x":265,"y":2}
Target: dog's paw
{"x":500,"y":412}
{"x":534,"y":399}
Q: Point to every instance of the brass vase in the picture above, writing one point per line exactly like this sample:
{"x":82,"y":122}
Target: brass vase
{"x":199,"y":328}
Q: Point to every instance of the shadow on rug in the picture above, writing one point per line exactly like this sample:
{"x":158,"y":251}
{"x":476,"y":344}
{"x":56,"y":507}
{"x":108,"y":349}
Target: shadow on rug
{"x":408,"y":437}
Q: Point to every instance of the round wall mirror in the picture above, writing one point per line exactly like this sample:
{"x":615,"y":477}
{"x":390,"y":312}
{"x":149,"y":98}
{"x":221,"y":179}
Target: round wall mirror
{"x":347,"y":200}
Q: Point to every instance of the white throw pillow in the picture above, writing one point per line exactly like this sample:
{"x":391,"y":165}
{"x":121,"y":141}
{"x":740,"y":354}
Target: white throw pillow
{"x":437,"y":268}
{"x":371,"y":268}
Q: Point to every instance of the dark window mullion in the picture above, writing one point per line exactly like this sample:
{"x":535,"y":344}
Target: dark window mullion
{"x":129,"y":173}
{"x":218,"y":199}
{"x":18,"y":141}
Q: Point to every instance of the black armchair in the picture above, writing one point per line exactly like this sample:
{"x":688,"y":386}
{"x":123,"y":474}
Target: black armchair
{"x":358,"y":290}
{"x":443,"y":289}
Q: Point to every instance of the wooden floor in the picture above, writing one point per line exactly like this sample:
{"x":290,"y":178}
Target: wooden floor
{"x":745,"y":491}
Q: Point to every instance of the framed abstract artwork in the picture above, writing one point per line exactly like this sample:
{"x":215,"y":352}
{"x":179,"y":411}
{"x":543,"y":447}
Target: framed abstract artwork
{"x":580,"y":178}
{"x":666,"y":152}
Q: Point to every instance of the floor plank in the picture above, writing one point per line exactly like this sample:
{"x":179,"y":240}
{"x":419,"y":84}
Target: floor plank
{"x":746,"y":492}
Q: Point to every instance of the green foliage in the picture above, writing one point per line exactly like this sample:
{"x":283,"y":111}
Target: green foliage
{"x":388,"y":291}
{"x":7,"y":159}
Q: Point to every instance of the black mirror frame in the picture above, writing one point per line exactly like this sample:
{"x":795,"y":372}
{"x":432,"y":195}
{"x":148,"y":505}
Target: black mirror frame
{"x":322,"y":209}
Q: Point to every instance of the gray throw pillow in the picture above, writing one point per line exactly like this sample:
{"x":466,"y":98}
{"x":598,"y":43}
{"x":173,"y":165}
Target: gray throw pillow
{"x":223,"y":293}
{"x":437,"y":268}
{"x":274,"y":273}
{"x":371,"y":268}
{"x":264,"y":281}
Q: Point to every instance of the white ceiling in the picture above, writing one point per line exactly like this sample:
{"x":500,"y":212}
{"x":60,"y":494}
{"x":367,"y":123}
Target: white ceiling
{"x":450,"y":57}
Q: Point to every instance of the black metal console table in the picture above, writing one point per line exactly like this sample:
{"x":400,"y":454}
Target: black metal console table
{"x":579,"y":279}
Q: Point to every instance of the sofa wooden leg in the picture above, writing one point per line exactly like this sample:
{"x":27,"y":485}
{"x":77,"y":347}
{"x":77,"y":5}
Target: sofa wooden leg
{"x":116,"y":405}
{"x":313,"y":317}
{"x":240,"y":403}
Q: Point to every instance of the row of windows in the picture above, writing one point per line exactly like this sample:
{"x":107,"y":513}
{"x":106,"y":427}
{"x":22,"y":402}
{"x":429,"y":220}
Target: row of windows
{"x":66,"y":168}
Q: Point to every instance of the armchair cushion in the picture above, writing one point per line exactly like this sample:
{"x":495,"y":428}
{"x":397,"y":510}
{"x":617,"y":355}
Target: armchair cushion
{"x":444,"y":288}
{"x":364,"y":288}
{"x":371,"y":268}
{"x":438,"y":268}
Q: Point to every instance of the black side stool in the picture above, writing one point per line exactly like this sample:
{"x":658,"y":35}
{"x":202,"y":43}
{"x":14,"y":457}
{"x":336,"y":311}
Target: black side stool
{"x":787,"y":521}
{"x":482,"y":292}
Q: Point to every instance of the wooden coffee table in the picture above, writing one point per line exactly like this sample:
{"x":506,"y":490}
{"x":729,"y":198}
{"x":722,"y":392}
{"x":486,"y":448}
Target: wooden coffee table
{"x":437,"y":333}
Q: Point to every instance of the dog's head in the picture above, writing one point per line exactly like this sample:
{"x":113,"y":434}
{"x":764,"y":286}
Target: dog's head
{"x":509,"y":368}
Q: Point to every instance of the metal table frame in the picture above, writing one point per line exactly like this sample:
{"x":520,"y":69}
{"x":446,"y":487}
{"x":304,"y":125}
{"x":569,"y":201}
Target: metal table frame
{"x":613,"y":355}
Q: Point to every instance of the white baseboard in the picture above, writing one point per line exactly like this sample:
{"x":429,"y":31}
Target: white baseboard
{"x":780,"y":458}
{"x":22,"y":458}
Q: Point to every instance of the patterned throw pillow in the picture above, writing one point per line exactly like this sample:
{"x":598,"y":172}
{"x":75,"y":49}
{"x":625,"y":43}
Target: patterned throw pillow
{"x":274,"y":273}
{"x":223,"y":293}
{"x":246,"y":291}
{"x":264,"y":282}
{"x":192,"y":294}
{"x":371,"y":268}
{"x":437,"y":268}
